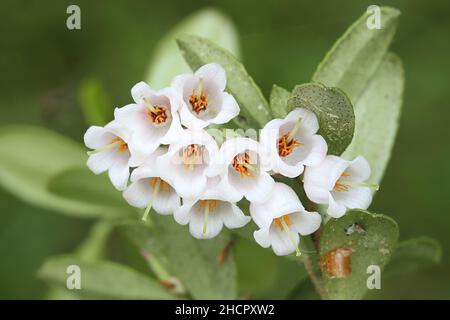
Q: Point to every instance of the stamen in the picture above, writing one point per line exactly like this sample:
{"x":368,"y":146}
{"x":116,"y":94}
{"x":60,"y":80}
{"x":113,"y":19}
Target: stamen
{"x":285,"y":148}
{"x":290,"y":235}
{"x":241,"y":163}
{"x":199,"y":99}
{"x":209,"y":206}
{"x":191,"y":155}
{"x":123,"y":146}
{"x":294,"y":130}
{"x":154,"y":194}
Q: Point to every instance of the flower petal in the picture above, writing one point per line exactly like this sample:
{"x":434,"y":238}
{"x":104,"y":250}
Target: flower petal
{"x":119,"y":173}
{"x":140,"y":90}
{"x":102,"y":161}
{"x":309,"y":123}
{"x":228,"y":110}
{"x":215,"y":73}
{"x":97,"y":137}
{"x":306,"y":222}
{"x":359,"y":169}
{"x":262,"y":188}
{"x":166,"y":202}
{"x":213,"y":227}
{"x":335,"y":209}
{"x":183,"y":214}
{"x":281,"y":243}
{"x":262,"y":237}
{"x":138,"y":194}
{"x":232,"y":216}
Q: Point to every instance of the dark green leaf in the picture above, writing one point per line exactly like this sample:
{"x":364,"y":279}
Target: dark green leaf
{"x":194,"y":262}
{"x":279,"y":101}
{"x":366,"y":239}
{"x":333,"y":110}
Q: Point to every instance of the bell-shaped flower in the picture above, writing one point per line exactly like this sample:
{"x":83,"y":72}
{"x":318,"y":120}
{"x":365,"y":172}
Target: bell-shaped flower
{"x":204,"y":99}
{"x":340,"y":183}
{"x":153,"y":119}
{"x":188,"y":161}
{"x":148,"y":189}
{"x":207,"y":214}
{"x":242,"y":166}
{"x":293,"y":143}
{"x":281,"y":218}
{"x":110,"y":152}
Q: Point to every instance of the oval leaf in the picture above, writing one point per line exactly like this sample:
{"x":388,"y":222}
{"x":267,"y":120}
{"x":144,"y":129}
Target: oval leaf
{"x":95,"y":104}
{"x":278,"y":101}
{"x":103,"y":279}
{"x":355,"y":57}
{"x":376,"y":117}
{"x":31,"y":157}
{"x":208,"y":23}
{"x":349,"y":245}
{"x":199,"y":51}
{"x":194,"y":262}
{"x":333,"y":110}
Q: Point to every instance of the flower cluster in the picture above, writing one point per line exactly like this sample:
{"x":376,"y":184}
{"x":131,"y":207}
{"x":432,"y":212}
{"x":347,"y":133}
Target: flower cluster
{"x":158,"y":152}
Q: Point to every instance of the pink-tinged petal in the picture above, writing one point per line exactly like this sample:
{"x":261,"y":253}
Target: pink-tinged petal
{"x":102,"y":161}
{"x":317,"y":150}
{"x":354,"y":197}
{"x":183,"y":214}
{"x":335,"y":209}
{"x":139,"y":193}
{"x":166,"y":202}
{"x":261,"y":189}
{"x":141,"y":90}
{"x":281,"y":243}
{"x":97,"y":137}
{"x":308,"y":125}
{"x":191,"y":121}
{"x":228,"y":110}
{"x":306,"y":222}
{"x":232,"y":216}
{"x":213,"y":72}
{"x":359,"y":169}
{"x":119,"y":173}
{"x":262,"y":237}
{"x":180,"y":81}
{"x":213,"y":227}
{"x":126,"y":115}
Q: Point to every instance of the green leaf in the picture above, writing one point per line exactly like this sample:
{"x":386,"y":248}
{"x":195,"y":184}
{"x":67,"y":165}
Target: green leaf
{"x":368,"y":238}
{"x":377,"y":112}
{"x":199,"y":51}
{"x":31,"y":156}
{"x":103,"y":279}
{"x":208,"y":23}
{"x":333,"y":110}
{"x":279,"y":101}
{"x":95,"y":103}
{"x":414,"y":254}
{"x":355,"y":57}
{"x":194,"y":262}
{"x":80,"y":184}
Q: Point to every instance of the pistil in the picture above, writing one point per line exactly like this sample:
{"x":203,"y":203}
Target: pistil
{"x":156,"y":186}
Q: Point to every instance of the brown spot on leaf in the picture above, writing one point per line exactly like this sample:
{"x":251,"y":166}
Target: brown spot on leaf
{"x":224,"y":253}
{"x":354,"y":228}
{"x":336,"y":263}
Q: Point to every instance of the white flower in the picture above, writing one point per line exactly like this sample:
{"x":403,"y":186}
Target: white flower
{"x":281,"y":218}
{"x":340,"y":184}
{"x":148,"y":189}
{"x":207,"y":214}
{"x":204,"y":99}
{"x":242,"y":165}
{"x":293,"y":143}
{"x":188,"y":162}
{"x":111,"y":152}
{"x":153,"y":119}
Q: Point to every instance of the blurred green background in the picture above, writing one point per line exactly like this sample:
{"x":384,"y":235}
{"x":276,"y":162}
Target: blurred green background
{"x":43,"y":66}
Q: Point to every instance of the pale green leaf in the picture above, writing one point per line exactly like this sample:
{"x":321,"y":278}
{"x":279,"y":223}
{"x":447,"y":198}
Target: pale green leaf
{"x":81,"y":184}
{"x":355,"y":57}
{"x":199,"y":51}
{"x":94,"y":102}
{"x":208,"y":23}
{"x":369,"y":238}
{"x":31,"y":156}
{"x":279,"y":101}
{"x":194,"y":262}
{"x":103,"y":279}
{"x":414,"y":254}
{"x":333,"y":110}
{"x":376,"y":117}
